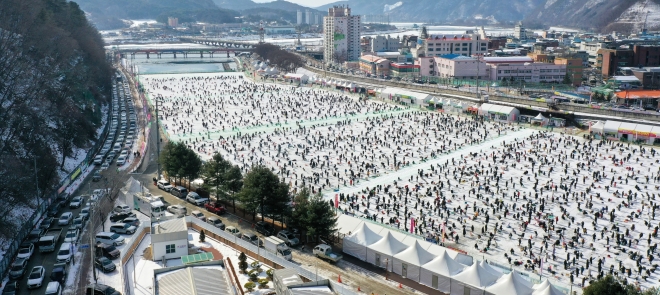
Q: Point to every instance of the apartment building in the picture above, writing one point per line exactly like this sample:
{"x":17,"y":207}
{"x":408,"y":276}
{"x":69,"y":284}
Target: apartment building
{"x":341,"y":35}
{"x":467,"y":44}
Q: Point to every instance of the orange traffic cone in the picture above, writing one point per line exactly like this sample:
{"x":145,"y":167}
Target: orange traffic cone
{"x":400,"y":286}
{"x":339,"y":280}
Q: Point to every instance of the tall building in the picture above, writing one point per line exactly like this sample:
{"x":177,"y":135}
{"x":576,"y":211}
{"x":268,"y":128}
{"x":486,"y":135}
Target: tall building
{"x":519,"y":31}
{"x":300,"y":17}
{"x":467,"y":44}
{"x":308,"y":17}
{"x":341,"y":35}
{"x":173,"y":22}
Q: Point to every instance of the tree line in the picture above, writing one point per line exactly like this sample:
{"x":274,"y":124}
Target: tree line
{"x":54,"y":78}
{"x":276,"y":56}
{"x":259,"y":191}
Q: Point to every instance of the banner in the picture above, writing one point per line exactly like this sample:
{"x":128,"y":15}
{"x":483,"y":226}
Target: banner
{"x":336,"y":200}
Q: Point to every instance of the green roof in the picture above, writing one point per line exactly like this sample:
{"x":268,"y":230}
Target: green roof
{"x":190,"y":259}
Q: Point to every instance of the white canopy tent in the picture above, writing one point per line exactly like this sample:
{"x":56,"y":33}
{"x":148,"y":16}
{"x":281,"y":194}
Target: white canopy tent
{"x":356,"y":244}
{"x":382,"y":252}
{"x":548,"y":290}
{"x":511,"y":284}
{"x":475,"y":278}
{"x":346,"y":224}
{"x":598,"y":127}
{"x":408,"y":263}
{"x":487,"y":267}
{"x":440,"y":270}
{"x":611,"y":127}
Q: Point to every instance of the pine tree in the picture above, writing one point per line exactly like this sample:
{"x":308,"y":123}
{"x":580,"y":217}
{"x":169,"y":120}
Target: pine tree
{"x":321,"y":220}
{"x":202,"y":236}
{"x":242,"y":264}
{"x":260,"y":187}
{"x":300,"y":208}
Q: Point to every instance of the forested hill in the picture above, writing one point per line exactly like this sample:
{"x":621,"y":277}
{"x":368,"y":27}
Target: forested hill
{"x":53,"y":80}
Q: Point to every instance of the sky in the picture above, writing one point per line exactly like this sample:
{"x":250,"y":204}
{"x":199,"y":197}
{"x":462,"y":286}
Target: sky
{"x":308,"y":3}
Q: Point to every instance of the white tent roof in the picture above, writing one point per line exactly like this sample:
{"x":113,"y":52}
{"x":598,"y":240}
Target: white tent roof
{"x":598,"y":127}
{"x":541,"y":285}
{"x":487,"y":267}
{"x":477,"y":276}
{"x":628,"y":126}
{"x":388,"y":245}
{"x":548,"y":290}
{"x":132,"y":186}
{"x":346,"y":224}
{"x":364,"y":235}
{"x":444,"y":265}
{"x":415,"y":255}
{"x":655,"y":130}
{"x":539,"y":117}
{"x":486,"y":107}
{"x":511,"y":284}
{"x":611,"y":126}
{"x":643,"y":128}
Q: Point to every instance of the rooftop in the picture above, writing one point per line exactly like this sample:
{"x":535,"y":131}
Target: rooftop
{"x":507,"y":59}
{"x":170,"y":226}
{"x":192,"y":280}
{"x":635,"y":94}
{"x":455,"y":56}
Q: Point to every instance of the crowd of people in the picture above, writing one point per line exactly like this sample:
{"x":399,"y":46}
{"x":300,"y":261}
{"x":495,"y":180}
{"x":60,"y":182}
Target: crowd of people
{"x":569,"y":206}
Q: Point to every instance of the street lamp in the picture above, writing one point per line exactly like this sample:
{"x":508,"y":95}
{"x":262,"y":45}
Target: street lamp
{"x":157,"y":139}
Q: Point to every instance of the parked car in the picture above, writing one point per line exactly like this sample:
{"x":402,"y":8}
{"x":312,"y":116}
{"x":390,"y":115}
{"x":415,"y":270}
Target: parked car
{"x":53,"y":288}
{"x":196,"y":199}
{"x":100,"y":289}
{"x":36,"y":277}
{"x":122,"y":208}
{"x":132,"y":221}
{"x":47,"y":223}
{"x":76,"y":202}
{"x":234,"y":231}
{"x":288,"y":238}
{"x":121,"y":216}
{"x":179,"y":192}
{"x":104,"y":264}
{"x":252,"y":238}
{"x":97,"y":175}
{"x":72,"y":235}
{"x":198,"y":214}
{"x":35,"y":235}
{"x":215,"y":222}
{"x":59,"y":273}
{"x":26,"y":250}
{"x":65,"y":218}
{"x":65,"y":253}
{"x":78,"y":223}
{"x":264,"y":228}
{"x":106,"y":250}
{"x":215,"y":208}
{"x":84,"y":213}
{"x":123,"y":228}
{"x":18,"y":268}
{"x":177,"y":210}
{"x":11,"y":288}
{"x":164,"y":185}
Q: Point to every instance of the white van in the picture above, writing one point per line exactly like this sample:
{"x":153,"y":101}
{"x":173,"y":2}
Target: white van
{"x":109,"y":238}
{"x":65,"y":253}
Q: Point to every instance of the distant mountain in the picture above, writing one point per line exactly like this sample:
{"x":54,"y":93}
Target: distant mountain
{"x":597,"y":15}
{"x":248,"y":4}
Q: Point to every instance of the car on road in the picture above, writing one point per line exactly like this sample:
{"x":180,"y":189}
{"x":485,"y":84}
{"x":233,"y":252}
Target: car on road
{"x":47,"y":223}
{"x":104,"y":264}
{"x":26,"y":250}
{"x":53,"y":288}
{"x":59,"y":273}
{"x":164,"y":185}
{"x":121,"y":160}
{"x":122,"y":208}
{"x":179,"y":192}
{"x":78,"y":223}
{"x":11,"y":288}
{"x":115,"y":217}
{"x":234,"y":231}
{"x":177,"y":210}
{"x":97,"y":176}
{"x":123,"y":228}
{"x":252,"y":238}
{"x":215,"y":222}
{"x":18,"y":268}
{"x":106,"y":165}
{"x":65,"y":218}
{"x":72,"y":236}
{"x":264,"y":228}
{"x":35,"y":235}
{"x":288,"y":238}
{"x":36,"y":277}
{"x":199,"y":215}
{"x":76,"y":202}
{"x":52,"y":211}
{"x":65,"y":253}
{"x":98,"y":160}
{"x":196,"y":199}
{"x":84,"y":213}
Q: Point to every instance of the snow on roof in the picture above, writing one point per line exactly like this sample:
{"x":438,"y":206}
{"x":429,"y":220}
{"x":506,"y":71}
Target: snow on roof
{"x":399,"y":91}
{"x":548,"y":290}
{"x":511,"y":284}
{"x":625,"y":78}
{"x":444,"y":265}
{"x":388,"y":245}
{"x":365,"y":235}
{"x":415,"y":255}
{"x":347,"y":224}
{"x":611,"y":126}
{"x":476,"y":276}
{"x":311,"y":290}
{"x":507,"y":59}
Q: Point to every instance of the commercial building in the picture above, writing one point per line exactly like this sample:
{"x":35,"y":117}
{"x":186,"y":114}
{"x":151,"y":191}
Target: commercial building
{"x":299,"y":17}
{"x":341,"y":38}
{"x":649,"y":76}
{"x":374,"y":65}
{"x":610,"y":60}
{"x":274,"y":30}
{"x":453,"y":66}
{"x":467,"y":44}
{"x":380,"y":43}
{"x":404,"y":70}
{"x":574,"y":69}
{"x":169,"y":239}
{"x":173,"y":22}
{"x":522,"y":68}
{"x":519,"y":31}
{"x":646,"y":56}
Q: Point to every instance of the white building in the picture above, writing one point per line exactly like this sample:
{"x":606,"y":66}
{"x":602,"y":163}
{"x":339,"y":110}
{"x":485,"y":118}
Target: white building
{"x":467,"y":44}
{"x":519,"y":32}
{"x":384,"y":43}
{"x":169,"y":239}
{"x":300,"y":17}
{"x":341,"y":38}
{"x":453,"y":66}
{"x":528,"y":72}
{"x":308,"y":17}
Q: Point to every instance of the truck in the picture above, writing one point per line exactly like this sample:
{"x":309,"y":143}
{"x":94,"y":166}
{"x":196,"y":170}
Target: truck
{"x":277,"y":247}
{"x":49,"y":240}
{"x":60,"y":272}
{"x":215,"y":208}
{"x":324,"y":252}
{"x":149,"y":205}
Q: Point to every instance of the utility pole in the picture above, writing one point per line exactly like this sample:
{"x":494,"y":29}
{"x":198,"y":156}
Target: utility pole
{"x":157,"y":141}
{"x":92,"y":246}
{"x":36,"y":182}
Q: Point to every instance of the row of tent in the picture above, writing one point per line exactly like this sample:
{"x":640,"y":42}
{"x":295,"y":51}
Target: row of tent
{"x":619,"y":129}
{"x":438,"y":267}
